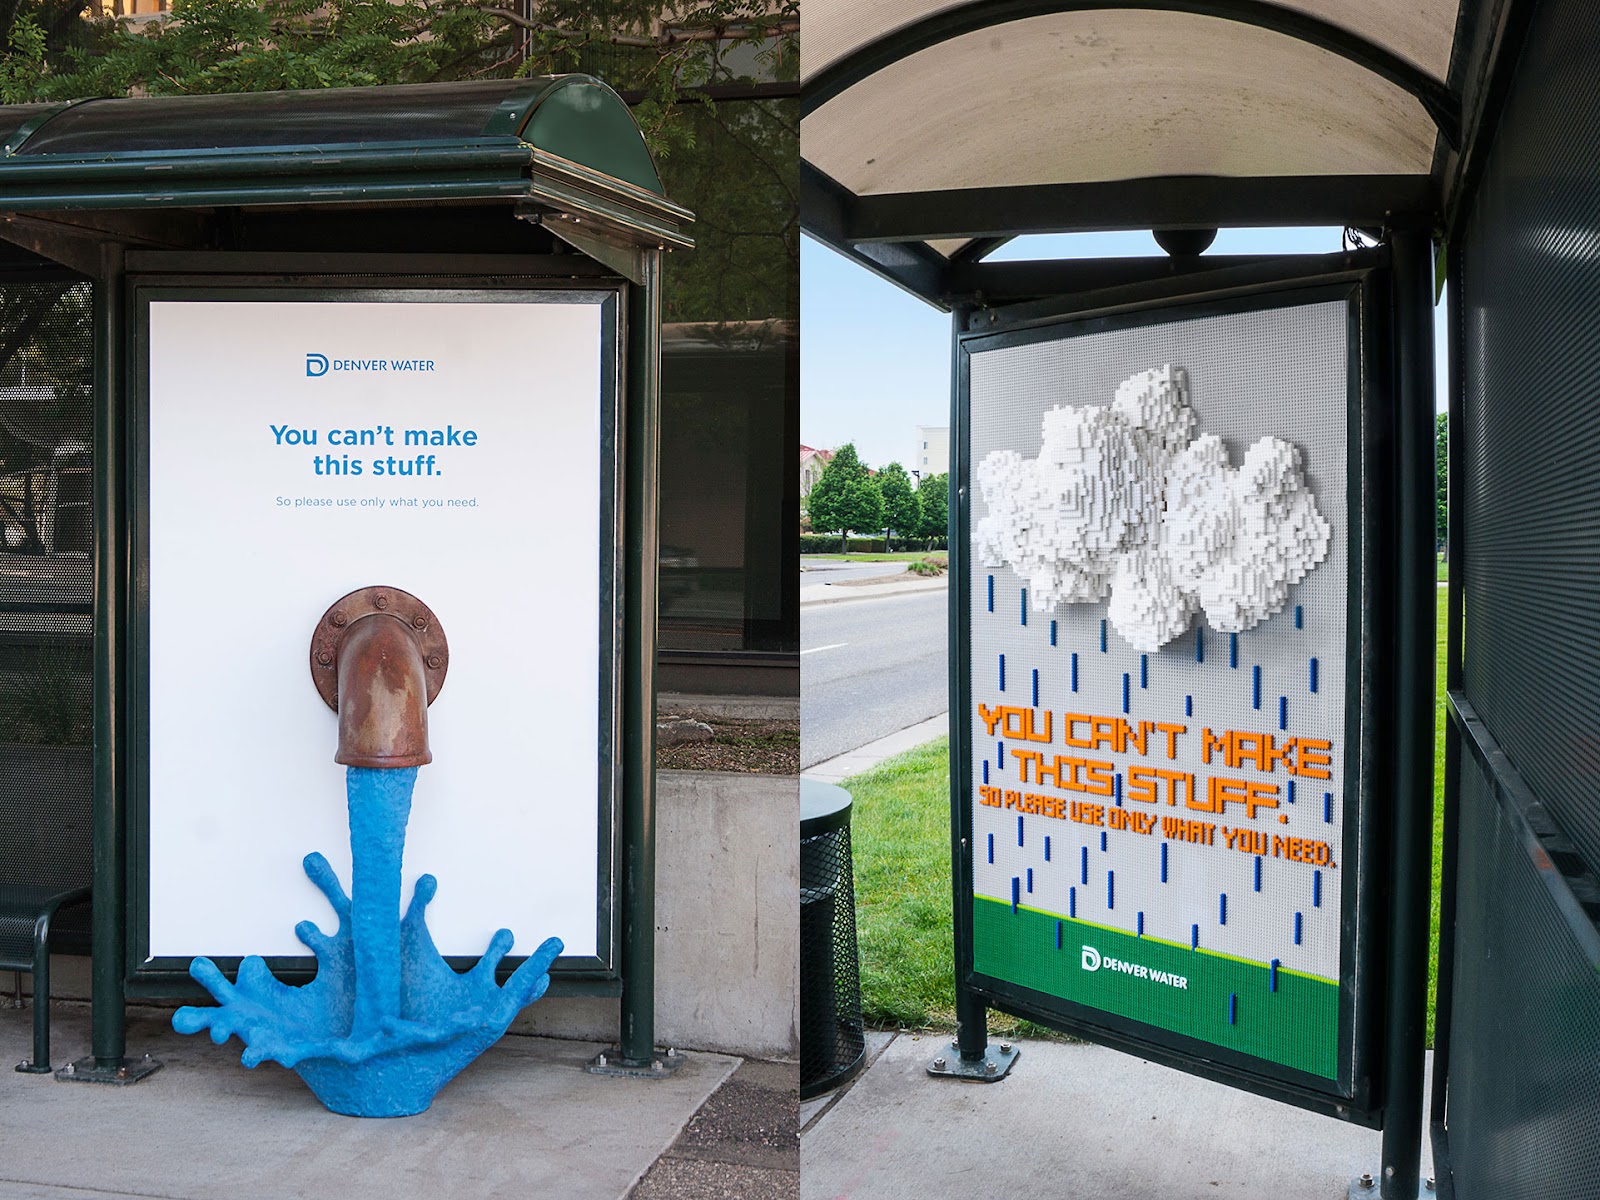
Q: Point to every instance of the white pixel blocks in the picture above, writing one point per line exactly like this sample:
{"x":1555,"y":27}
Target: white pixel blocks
{"x":1124,"y":499}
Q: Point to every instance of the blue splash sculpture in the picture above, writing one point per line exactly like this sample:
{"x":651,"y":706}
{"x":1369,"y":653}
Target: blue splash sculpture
{"x":386,"y":1022}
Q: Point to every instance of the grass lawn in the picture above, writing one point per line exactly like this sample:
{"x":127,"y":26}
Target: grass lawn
{"x":1438,"y":804}
{"x":900,"y":834}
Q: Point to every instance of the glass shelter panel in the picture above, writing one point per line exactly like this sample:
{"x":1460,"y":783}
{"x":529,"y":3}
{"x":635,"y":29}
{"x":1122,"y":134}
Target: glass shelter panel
{"x":46,"y":609}
{"x":729,"y":387}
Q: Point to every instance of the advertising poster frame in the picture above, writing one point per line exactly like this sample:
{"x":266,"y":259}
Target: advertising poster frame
{"x":1356,"y":1094}
{"x":600,"y":973}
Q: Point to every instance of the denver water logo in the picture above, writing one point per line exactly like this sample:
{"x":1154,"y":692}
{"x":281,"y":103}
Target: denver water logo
{"x":321,"y":364}
{"x":1093,"y":960}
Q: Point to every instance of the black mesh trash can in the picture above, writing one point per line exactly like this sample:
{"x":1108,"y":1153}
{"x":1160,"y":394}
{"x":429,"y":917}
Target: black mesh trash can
{"x":832,"y":1043}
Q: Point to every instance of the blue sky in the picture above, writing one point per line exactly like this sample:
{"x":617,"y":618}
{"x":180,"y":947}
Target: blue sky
{"x":875,"y":361}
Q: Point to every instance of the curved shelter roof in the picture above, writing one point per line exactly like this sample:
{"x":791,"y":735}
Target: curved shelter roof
{"x":931,"y":127}
{"x":565,"y":144}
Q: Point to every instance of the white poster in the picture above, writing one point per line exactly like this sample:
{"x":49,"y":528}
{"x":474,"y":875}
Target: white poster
{"x":299,"y":450}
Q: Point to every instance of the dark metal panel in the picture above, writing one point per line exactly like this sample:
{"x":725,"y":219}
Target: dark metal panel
{"x":1531,"y":500}
{"x":827,"y":211}
{"x":1009,"y":282}
{"x":975,"y":250}
{"x":1170,"y":201}
{"x":1519,"y":1011}
{"x":1489,"y":39}
{"x":1574,"y":889}
{"x":979,"y":15}
{"x":1525,"y":1061}
{"x":554,"y":266}
{"x":1272,"y":272}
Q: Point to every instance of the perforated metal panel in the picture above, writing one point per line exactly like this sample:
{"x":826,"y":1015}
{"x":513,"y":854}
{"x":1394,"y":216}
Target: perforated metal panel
{"x":46,"y":576}
{"x":1531,"y":335}
{"x":1524,"y":1018}
{"x":1523,"y":1075}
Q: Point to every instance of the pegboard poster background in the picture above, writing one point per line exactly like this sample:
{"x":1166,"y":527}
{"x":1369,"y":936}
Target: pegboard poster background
{"x":1168,"y":898}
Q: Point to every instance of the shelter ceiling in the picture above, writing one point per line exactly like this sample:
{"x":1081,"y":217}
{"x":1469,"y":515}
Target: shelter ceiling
{"x":1419,"y":31}
{"x":1091,"y":96}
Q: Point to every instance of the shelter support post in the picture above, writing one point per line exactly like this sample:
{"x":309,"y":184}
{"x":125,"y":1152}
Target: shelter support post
{"x":974,"y":1058}
{"x":107,"y":1062}
{"x":641,"y":454}
{"x":1410,"y":877}
{"x":110,"y":1034}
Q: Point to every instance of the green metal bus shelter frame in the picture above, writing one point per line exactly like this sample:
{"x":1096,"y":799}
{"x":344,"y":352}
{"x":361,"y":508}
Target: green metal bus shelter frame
{"x":457,"y":185}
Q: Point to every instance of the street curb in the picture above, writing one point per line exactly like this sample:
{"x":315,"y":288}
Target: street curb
{"x":864,"y":758}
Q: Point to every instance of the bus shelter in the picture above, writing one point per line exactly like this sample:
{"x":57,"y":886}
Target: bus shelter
{"x":1193,"y":538}
{"x":271,"y":354}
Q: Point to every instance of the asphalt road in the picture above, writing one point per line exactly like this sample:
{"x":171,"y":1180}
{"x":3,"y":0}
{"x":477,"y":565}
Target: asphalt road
{"x":869,"y":668}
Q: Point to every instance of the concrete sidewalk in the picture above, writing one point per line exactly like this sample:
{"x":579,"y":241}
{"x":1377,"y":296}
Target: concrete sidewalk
{"x":1073,"y":1121}
{"x":526,"y":1119}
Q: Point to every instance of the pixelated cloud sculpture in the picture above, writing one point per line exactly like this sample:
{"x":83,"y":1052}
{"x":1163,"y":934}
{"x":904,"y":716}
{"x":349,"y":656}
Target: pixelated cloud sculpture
{"x":1124,"y":500}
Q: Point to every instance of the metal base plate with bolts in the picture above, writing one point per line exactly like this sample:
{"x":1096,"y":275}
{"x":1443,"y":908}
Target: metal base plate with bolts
{"x":609,"y":1062}
{"x":121,"y":1073}
{"x":1366,"y":1188}
{"x":991,"y":1068}
{"x":28,"y":1067}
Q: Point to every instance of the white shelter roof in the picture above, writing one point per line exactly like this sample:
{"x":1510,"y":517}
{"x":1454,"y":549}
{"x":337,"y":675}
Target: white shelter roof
{"x":1007,"y":104}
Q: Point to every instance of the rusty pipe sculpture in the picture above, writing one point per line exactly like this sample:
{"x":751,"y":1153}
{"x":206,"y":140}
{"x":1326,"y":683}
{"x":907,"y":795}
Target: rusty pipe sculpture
{"x":378,"y":658}
{"x":385,"y":1022}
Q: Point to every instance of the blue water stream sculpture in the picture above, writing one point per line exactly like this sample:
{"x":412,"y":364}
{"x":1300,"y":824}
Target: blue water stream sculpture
{"x":386,"y":1022}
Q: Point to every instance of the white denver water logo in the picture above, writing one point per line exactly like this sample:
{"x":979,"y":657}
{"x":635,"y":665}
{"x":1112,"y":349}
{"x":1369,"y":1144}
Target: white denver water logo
{"x":1093,"y":961}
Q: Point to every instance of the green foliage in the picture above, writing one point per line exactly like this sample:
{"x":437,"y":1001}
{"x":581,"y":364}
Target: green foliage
{"x":36,"y":39}
{"x":743,"y":185}
{"x":902,"y":509}
{"x":932,"y":565}
{"x":643,"y":47}
{"x":861,"y":549}
{"x":24,"y":66}
{"x":742,"y":181}
{"x":46,"y":342}
{"x":1441,"y":477}
{"x":846,"y":498}
{"x":934,"y":492}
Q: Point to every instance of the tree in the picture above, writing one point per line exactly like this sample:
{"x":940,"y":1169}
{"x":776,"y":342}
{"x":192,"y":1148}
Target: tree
{"x":934,"y":492}
{"x":1441,"y":479}
{"x":846,"y":499}
{"x":655,"y":51}
{"x":902,"y":510}
{"x":743,"y":186}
